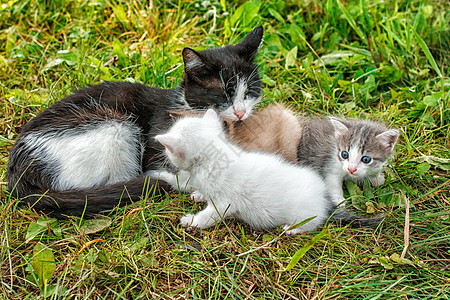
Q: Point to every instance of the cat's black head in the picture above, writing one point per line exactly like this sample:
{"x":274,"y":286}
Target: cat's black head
{"x":224,"y":78}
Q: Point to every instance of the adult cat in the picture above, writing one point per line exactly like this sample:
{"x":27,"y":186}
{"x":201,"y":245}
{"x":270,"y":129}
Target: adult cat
{"x":88,"y":152}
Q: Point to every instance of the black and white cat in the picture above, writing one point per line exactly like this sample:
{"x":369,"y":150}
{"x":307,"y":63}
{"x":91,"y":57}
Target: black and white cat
{"x":261,"y":189}
{"x":89,"y":152}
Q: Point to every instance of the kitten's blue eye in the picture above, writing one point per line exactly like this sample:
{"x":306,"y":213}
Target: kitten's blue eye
{"x":366,"y":159}
{"x":344,"y":154}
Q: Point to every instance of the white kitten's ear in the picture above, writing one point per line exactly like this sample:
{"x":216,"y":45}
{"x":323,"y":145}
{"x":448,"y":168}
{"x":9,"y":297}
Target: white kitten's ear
{"x":210,"y":114}
{"x":339,"y":127}
{"x":172,"y":143}
{"x":389,"y":138}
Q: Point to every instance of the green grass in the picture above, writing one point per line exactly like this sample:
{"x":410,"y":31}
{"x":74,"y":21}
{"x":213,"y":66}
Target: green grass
{"x":370,"y":59}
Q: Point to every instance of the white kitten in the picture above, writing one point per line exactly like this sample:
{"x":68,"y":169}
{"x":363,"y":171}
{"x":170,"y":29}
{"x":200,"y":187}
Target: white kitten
{"x":260,"y":189}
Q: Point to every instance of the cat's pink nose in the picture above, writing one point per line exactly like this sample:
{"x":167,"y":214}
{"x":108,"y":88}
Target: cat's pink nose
{"x":351,"y":170}
{"x":239,"y":114}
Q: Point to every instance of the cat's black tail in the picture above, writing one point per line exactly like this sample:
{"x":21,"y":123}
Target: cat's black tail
{"x":87,"y":203}
{"x":346,"y":217}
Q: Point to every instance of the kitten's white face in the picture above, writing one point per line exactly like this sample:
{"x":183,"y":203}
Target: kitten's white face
{"x":357,"y":165}
{"x":189,"y":137}
{"x":243,"y":101}
{"x":363,"y":150}
{"x":226,"y":79}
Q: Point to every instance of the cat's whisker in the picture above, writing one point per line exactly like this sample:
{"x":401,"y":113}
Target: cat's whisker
{"x":224,"y":84}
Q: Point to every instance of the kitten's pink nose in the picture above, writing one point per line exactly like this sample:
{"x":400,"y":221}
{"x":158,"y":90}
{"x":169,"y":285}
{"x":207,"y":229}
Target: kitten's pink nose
{"x":239,"y":113}
{"x":351,"y":170}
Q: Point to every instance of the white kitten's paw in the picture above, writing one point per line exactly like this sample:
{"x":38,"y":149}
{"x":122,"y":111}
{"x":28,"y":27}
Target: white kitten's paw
{"x":163,"y":175}
{"x":198,"y":197}
{"x":338,"y":201}
{"x":153,"y":173}
{"x":292,"y":231}
{"x":187,"y":221}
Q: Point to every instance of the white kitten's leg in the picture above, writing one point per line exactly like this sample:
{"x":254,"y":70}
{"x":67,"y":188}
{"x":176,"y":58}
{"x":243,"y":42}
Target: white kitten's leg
{"x":179,"y":181}
{"x":198,"y":197}
{"x":292,"y":231}
{"x":163,"y":175}
{"x":205,"y":218}
{"x":304,"y":228}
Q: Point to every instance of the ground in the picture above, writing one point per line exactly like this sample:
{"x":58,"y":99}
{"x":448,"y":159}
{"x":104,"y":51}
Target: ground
{"x":368,"y":59}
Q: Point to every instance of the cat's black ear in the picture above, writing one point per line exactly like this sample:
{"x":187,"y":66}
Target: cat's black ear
{"x":389,"y":138}
{"x":250,"y":44}
{"x":192,"y":60}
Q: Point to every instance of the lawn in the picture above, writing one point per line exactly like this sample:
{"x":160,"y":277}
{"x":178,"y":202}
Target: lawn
{"x":382,"y":60}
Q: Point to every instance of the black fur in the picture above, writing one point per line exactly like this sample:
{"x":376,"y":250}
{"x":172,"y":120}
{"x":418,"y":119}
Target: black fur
{"x":145,"y":107}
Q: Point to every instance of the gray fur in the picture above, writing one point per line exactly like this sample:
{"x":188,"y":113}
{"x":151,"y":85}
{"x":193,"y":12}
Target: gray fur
{"x":323,"y":141}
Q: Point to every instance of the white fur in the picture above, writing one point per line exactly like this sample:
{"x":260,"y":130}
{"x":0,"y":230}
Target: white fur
{"x":105,"y":154}
{"x":194,"y":64}
{"x":241,"y":102}
{"x":334,"y":180}
{"x":259,"y":189}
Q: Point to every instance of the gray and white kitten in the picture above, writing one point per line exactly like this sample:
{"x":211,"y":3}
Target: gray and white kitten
{"x":89,"y":151}
{"x":342,"y":149}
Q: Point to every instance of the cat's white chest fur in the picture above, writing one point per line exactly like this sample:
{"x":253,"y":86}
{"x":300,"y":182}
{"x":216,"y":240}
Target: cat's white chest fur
{"x":104,"y":154}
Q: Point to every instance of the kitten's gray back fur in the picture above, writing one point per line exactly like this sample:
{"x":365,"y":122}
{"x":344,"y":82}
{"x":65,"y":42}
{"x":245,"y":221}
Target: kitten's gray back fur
{"x":317,"y":145}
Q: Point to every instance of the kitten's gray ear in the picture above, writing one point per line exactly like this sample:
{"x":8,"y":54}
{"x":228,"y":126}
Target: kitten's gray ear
{"x":172,"y":143}
{"x":192,"y":60}
{"x":339,"y":127}
{"x":389,"y":138}
{"x":211,"y":114}
{"x":249,"y":46}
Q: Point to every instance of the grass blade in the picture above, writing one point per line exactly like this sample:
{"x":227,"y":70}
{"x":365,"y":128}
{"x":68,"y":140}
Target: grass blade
{"x":302,"y":251}
{"x":427,"y":52}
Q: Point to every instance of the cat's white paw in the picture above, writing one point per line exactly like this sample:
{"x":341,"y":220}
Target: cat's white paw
{"x":292,"y":231}
{"x":198,"y":197}
{"x":338,"y":201}
{"x":152,"y":173}
{"x":163,"y":175}
{"x":187,"y":221}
